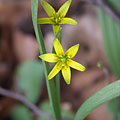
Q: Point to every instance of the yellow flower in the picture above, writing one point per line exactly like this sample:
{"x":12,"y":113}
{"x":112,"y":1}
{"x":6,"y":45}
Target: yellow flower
{"x":63,"y":60}
{"x":56,"y":18}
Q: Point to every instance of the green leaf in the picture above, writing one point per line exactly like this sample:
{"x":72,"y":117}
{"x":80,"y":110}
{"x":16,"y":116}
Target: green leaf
{"x":117,"y":116}
{"x":45,"y":106}
{"x":111,"y":35}
{"x":21,"y":112}
{"x":30,"y":76}
{"x":107,"y":93}
{"x":114,"y":106}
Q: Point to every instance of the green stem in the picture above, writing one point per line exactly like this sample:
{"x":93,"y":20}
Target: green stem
{"x":57,"y":78}
{"x":50,"y":83}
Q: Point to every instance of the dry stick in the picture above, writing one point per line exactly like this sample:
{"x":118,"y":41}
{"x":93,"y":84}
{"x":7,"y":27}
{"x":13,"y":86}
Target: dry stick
{"x":104,"y":5}
{"x":23,"y":100}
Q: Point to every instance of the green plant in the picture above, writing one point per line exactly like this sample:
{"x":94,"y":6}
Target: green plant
{"x":111,"y":35}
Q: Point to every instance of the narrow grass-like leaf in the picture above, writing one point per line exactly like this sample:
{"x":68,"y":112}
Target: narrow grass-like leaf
{"x":111,"y":36}
{"x":50,"y":84}
{"x":114,"y":106}
{"x":107,"y":93}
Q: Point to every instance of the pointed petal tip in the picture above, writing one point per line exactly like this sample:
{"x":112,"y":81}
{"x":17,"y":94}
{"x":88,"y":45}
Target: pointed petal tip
{"x":55,"y":40}
{"x":76,"y":65}
{"x":78,"y":45}
{"x":49,"y":78}
{"x":68,"y":21}
{"x":84,"y":68}
{"x":40,"y":57}
{"x":68,"y":83}
{"x":76,"y":22}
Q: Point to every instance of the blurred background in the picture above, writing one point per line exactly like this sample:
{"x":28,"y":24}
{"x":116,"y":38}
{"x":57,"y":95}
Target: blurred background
{"x":21,"y":70}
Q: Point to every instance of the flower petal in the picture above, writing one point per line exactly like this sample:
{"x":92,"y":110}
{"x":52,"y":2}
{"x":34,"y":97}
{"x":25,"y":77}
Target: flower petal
{"x":58,"y":48}
{"x":56,"y":28}
{"x":49,"y":57}
{"x":55,"y":70}
{"x":71,"y":52}
{"x":48,"y":8}
{"x":76,"y":65}
{"x":68,"y":21}
{"x":66,"y":72}
{"x":64,"y":8}
{"x":44,"y":21}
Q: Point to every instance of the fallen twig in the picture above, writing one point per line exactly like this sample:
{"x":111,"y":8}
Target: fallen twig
{"x":23,"y":100}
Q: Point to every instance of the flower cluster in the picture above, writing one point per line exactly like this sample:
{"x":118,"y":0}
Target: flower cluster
{"x":63,"y":60}
{"x":56,"y":18}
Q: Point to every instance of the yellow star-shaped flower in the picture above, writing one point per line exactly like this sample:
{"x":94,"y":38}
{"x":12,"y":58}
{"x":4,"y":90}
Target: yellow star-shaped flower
{"x":63,"y":60}
{"x":56,"y":18}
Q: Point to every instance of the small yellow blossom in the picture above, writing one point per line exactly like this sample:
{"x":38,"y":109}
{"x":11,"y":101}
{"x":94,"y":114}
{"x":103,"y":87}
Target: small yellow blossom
{"x":63,"y":60}
{"x":56,"y":18}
